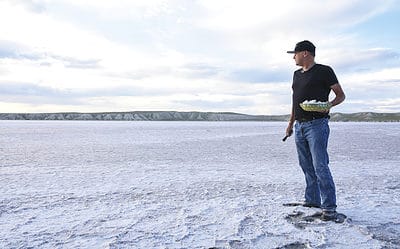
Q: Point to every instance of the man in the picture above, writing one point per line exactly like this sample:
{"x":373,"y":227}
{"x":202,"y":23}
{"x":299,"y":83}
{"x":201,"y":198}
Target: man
{"x":314,"y":82}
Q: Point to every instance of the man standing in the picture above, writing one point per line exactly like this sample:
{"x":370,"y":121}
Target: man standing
{"x":314,"y":82}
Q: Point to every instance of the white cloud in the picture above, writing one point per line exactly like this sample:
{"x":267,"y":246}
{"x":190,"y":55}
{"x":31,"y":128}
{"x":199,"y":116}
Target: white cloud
{"x":45,"y":35}
{"x":372,"y":91}
{"x":179,"y":55}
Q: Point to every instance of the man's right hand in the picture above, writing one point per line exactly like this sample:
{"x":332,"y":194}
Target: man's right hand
{"x":289,"y":130}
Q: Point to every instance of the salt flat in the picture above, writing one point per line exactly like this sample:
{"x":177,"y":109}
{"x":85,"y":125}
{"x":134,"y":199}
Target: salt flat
{"x":100,"y":184}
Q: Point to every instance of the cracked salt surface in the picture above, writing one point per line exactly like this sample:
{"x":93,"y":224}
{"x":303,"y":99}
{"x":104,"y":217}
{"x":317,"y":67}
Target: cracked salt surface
{"x":72,"y":184}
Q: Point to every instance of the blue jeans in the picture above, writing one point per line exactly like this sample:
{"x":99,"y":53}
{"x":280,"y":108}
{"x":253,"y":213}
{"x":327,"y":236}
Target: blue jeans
{"x":312,"y":143}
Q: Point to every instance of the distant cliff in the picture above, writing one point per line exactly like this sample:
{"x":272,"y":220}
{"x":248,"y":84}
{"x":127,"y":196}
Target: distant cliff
{"x":143,"y":116}
{"x":366,"y":117}
{"x":191,"y":116}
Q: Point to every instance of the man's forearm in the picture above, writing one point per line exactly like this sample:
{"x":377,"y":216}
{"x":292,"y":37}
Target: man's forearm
{"x":339,"y":95}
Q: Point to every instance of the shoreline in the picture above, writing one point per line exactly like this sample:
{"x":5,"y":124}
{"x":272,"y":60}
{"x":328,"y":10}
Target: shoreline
{"x":192,"y":116}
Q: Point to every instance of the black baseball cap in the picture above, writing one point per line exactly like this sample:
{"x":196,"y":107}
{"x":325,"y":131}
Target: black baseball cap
{"x":303,"y":46}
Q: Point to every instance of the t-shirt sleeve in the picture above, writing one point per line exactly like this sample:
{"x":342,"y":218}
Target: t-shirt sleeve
{"x":331,"y":78}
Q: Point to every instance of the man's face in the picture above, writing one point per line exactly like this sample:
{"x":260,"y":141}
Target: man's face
{"x":299,"y":58}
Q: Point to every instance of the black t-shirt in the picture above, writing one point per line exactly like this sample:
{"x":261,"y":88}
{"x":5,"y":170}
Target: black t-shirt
{"x":309,"y":85}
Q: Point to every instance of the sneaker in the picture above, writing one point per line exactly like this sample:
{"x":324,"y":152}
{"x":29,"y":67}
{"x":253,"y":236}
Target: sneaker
{"x":328,"y":215}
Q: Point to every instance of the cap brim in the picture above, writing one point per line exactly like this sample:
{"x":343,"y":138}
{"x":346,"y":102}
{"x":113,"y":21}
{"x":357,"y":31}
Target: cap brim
{"x":291,"y":52}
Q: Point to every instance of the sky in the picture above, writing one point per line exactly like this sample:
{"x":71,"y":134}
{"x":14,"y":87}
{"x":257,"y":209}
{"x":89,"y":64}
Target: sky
{"x":192,"y":55}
